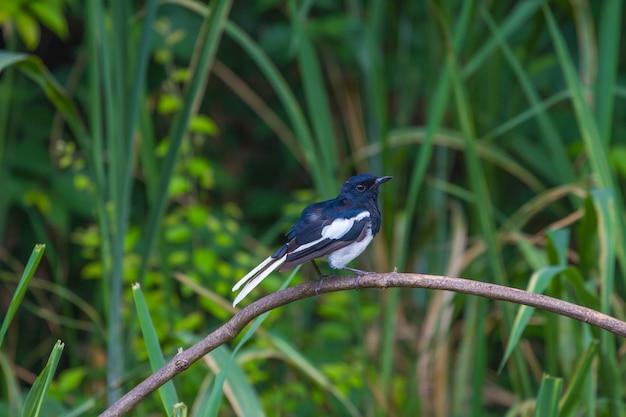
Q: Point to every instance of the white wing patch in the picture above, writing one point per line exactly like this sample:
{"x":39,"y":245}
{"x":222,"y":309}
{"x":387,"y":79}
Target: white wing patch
{"x":335,"y":230}
{"x":342,"y":257}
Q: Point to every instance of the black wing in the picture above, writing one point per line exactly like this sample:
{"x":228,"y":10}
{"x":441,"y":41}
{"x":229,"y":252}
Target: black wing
{"x":323,"y":238}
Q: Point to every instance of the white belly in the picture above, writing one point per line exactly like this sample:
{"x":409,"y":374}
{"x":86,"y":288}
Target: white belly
{"x":342,"y":257}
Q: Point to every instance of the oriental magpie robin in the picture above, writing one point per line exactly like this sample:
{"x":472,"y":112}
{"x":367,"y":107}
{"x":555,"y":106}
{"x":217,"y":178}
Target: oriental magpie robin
{"x":336,"y":230}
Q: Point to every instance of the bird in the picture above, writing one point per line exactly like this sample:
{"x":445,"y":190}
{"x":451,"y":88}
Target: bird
{"x":336,"y":230}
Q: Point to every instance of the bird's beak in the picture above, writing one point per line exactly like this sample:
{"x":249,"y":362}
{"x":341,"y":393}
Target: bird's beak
{"x":380,"y":180}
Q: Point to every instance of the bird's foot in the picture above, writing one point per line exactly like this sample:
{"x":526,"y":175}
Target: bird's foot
{"x":320,"y":276}
{"x":358,"y":273}
{"x":319,"y":283}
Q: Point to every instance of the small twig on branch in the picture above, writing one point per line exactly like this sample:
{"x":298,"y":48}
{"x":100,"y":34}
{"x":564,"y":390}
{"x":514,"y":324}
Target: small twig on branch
{"x":235,"y":325}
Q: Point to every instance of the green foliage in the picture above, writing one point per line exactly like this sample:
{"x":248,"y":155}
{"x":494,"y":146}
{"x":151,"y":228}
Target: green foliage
{"x":25,"y":16}
{"x":21,"y":289}
{"x":34,"y":403}
{"x":179,"y":141}
{"x":167,"y":392}
{"x":548,"y":397}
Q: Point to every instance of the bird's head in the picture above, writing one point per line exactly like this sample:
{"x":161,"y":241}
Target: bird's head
{"x":363,"y":187}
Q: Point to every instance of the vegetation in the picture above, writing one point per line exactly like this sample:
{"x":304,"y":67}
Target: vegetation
{"x":170,"y":144}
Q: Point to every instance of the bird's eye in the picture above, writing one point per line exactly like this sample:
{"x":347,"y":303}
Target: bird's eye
{"x":360,"y":187}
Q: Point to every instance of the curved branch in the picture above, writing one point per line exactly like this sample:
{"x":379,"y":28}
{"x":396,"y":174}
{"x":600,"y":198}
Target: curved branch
{"x":235,"y":325}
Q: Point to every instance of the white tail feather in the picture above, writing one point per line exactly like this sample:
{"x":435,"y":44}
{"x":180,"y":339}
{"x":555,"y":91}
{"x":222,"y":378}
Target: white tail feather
{"x":252,"y":273}
{"x":260,"y":277}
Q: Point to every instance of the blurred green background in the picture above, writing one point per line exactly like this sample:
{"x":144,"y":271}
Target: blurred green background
{"x":172,"y":143}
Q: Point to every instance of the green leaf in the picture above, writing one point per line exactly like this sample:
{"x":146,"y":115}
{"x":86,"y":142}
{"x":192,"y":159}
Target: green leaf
{"x":246,"y":398}
{"x":575,"y":390}
{"x":51,"y":16}
{"x":288,"y":99}
{"x":595,"y":148}
{"x":606,"y":204}
{"x":312,"y":371}
{"x":548,"y":397}
{"x":587,"y":237}
{"x":617,"y":155}
{"x":316,"y":98}
{"x":10,"y":58}
{"x":201,"y":169}
{"x":11,"y":387}
{"x":538,"y":283}
{"x":70,"y":379}
{"x":22,"y":286}
{"x":28,"y":28}
{"x":203,"y":124}
{"x":33,"y":68}
{"x":558,"y":244}
{"x":38,"y":392}
{"x":169,"y":104}
{"x":209,"y":40}
{"x":582,"y":291}
{"x":167,"y":393}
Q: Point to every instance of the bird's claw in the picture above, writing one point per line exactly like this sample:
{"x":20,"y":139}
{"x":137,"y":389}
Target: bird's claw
{"x":358,"y":274}
{"x":319,"y":285}
{"x":321,"y":280}
{"x":358,"y":277}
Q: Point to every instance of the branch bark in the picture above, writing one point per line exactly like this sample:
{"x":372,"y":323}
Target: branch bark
{"x":228,"y":331}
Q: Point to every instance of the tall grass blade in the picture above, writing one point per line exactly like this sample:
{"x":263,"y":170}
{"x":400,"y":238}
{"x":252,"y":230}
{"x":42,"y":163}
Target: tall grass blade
{"x":318,"y":104}
{"x":557,"y":245}
{"x":245,"y":400}
{"x":479,"y":361}
{"x":608,"y":58}
{"x":605,"y":204}
{"x":581,"y":376}
{"x":519,"y":16}
{"x":208,"y":41}
{"x":22,"y":287}
{"x":101,"y":113}
{"x":15,"y":399}
{"x":548,"y":397}
{"x":484,"y":207}
{"x":373,"y":67}
{"x":300,"y":362}
{"x":248,"y":399}
{"x":33,"y":68}
{"x":560,"y":165}
{"x":113,"y":228}
{"x":539,"y":281}
{"x":465,"y":359}
{"x":437,"y":108}
{"x":321,"y":179}
{"x":596,"y":149}
{"x":33,"y":405}
{"x":167,"y":392}
{"x":487,"y":152}
{"x":134,"y":102}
